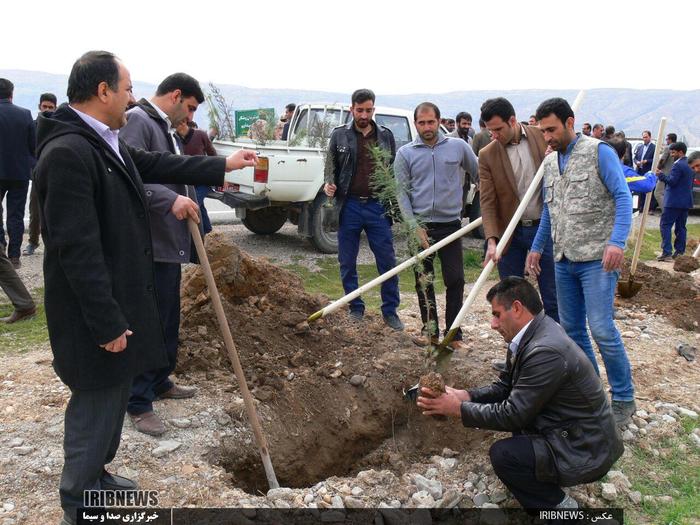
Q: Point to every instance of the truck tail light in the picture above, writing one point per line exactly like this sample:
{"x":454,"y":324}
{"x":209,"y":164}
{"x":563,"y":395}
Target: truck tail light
{"x":261,"y":170}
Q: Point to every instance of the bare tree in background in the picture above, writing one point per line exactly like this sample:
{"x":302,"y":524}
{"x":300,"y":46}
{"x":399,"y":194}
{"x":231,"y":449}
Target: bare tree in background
{"x":220,"y":114}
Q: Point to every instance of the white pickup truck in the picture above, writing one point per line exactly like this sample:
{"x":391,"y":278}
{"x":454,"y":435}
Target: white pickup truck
{"x":287,"y":183}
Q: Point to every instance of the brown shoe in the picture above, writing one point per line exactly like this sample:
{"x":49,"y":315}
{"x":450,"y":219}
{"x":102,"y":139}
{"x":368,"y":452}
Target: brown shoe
{"x":19,"y":315}
{"x":179,"y":392}
{"x":423,"y":340}
{"x":15,"y":263}
{"x":148,"y":423}
{"x":459,"y":346}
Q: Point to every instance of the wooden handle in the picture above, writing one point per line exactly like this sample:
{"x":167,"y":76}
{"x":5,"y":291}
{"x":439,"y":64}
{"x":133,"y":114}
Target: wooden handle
{"x":233,"y":355}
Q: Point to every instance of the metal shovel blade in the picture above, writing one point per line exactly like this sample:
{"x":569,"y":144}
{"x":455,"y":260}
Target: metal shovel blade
{"x":628,"y":289}
{"x":411,"y":394}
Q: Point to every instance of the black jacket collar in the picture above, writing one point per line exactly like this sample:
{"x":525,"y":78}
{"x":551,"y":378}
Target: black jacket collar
{"x":527,"y":336}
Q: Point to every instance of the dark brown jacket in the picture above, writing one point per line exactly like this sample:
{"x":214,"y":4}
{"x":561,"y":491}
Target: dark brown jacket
{"x":498,"y":188}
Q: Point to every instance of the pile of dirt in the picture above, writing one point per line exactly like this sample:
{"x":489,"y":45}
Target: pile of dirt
{"x":329,"y":393}
{"x":686,"y":264}
{"x":675,"y":296}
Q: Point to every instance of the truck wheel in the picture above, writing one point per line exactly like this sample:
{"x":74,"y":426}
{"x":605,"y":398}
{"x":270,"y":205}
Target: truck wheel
{"x":266,"y":220}
{"x":475,"y":213}
{"x":324,"y":241}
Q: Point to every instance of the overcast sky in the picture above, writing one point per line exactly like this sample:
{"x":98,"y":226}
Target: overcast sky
{"x":393,"y":47}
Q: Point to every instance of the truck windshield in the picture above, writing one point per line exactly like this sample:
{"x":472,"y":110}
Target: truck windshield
{"x":320,"y":123}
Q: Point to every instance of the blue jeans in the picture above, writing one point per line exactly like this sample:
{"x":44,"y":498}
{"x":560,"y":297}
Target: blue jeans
{"x":671,"y":217}
{"x":586,"y":292}
{"x":513,"y":263}
{"x":355,"y":216}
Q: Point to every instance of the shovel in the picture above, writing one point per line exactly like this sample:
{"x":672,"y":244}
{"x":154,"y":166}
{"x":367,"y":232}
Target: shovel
{"x":233,"y":355}
{"x":630,"y":287}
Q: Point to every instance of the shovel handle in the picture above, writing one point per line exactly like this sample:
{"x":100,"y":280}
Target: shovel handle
{"x":233,"y":355}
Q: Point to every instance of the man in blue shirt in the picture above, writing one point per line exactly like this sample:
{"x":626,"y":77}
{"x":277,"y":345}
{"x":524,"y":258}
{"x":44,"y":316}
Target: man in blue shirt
{"x":588,"y":214}
{"x":678,"y":199}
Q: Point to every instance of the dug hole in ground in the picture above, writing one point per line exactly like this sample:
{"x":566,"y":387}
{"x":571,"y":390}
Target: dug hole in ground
{"x":329,"y":396}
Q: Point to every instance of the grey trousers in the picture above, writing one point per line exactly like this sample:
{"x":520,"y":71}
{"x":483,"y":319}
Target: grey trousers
{"x":93,"y":429}
{"x":12,"y":285}
{"x":659,"y":193}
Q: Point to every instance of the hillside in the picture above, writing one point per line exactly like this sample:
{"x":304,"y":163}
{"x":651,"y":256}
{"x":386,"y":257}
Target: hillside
{"x":628,"y":109}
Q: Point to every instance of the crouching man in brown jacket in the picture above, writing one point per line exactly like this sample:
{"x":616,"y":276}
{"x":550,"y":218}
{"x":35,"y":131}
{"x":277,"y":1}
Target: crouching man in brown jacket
{"x":549,"y":397}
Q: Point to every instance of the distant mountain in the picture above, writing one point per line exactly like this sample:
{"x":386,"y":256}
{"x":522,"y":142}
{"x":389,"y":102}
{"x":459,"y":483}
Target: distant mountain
{"x":630,"y":110}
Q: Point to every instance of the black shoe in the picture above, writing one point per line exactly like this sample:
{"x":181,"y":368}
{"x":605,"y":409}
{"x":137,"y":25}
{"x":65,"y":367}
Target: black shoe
{"x":499,"y":366}
{"x":113,"y":482}
{"x":29,"y":249}
{"x":664,"y":257}
{"x":15,"y":263}
{"x":676,"y":255}
{"x":623,"y":411}
{"x":67,"y":519}
{"x":357,"y":315}
{"x":19,"y":315}
{"x":393,"y":322}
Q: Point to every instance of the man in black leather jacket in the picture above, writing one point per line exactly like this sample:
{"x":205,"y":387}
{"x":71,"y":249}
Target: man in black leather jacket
{"x":549,"y":397}
{"x":352,"y":166}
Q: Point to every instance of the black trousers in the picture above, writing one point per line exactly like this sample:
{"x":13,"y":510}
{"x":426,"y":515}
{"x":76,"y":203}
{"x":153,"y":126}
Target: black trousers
{"x":452,"y":276}
{"x":93,"y":429}
{"x":149,"y":385}
{"x":513,"y":460}
{"x":34,"y":219}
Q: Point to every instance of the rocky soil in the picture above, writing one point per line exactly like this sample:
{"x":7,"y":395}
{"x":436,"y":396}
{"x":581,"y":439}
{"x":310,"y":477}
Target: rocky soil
{"x":329,"y":396}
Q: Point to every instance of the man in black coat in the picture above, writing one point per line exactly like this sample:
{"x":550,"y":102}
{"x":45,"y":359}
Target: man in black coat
{"x":17,"y":144}
{"x":549,"y":396}
{"x":101,"y":307}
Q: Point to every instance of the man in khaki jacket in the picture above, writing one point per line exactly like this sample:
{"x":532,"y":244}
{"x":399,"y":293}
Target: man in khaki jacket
{"x":507,"y":166}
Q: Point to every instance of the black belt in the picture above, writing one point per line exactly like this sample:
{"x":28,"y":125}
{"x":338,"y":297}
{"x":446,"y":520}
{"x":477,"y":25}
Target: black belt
{"x":529,"y":223}
{"x":363,"y":200}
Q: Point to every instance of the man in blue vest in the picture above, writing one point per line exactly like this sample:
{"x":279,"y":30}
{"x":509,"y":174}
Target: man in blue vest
{"x":588,"y":214}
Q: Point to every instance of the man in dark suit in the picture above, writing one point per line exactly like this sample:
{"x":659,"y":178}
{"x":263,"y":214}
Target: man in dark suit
{"x":644,"y":154}
{"x":665,"y":165}
{"x":678,"y":199}
{"x":18,"y":139}
{"x":643,"y":157}
{"x":507,"y":166}
{"x":549,"y":397}
{"x":101,"y":306}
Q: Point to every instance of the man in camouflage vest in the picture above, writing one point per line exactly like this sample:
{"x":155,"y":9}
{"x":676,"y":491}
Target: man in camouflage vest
{"x":588,"y":214}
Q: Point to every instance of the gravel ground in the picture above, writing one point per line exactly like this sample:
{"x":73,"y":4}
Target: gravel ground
{"x":33,"y":402}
